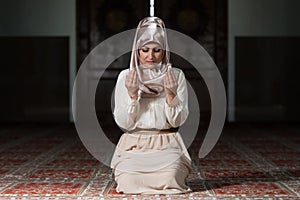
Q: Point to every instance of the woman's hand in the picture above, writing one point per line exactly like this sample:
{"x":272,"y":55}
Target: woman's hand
{"x":132,"y":85}
{"x":171,"y":85}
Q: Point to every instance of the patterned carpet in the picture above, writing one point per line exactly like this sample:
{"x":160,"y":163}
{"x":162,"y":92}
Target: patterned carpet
{"x":50,"y":162}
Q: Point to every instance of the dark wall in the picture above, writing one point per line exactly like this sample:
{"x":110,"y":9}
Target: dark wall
{"x":34,"y":79}
{"x":266,"y":78}
{"x":204,"y":21}
{"x":37,"y":53}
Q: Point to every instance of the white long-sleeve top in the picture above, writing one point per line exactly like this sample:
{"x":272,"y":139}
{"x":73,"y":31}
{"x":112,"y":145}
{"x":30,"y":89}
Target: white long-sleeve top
{"x":149,"y":113}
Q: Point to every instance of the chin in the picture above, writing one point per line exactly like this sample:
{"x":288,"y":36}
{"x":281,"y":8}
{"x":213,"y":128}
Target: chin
{"x":147,"y":65}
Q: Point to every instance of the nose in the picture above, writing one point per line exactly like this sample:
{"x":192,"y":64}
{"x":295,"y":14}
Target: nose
{"x":151,"y":54}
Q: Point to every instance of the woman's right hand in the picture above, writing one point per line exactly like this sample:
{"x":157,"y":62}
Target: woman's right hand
{"x":132,"y":85}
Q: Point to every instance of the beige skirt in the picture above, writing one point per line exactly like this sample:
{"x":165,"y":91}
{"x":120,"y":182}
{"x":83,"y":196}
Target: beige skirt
{"x":151,"y":164}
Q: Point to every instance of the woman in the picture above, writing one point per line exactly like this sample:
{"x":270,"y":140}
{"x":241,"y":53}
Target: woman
{"x":150,"y":104}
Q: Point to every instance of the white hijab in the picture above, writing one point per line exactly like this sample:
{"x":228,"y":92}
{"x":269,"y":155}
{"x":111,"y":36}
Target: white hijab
{"x":151,"y":80}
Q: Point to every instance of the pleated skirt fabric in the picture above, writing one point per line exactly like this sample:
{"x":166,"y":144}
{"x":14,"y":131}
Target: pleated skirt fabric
{"x":151,"y":164}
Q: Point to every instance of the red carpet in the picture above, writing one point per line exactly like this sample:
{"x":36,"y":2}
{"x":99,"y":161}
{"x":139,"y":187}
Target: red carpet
{"x":51,"y":163}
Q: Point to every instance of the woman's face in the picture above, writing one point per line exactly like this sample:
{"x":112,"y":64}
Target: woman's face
{"x":150,"y":54}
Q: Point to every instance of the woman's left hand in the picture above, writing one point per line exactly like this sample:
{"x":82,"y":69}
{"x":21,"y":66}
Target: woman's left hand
{"x":171,"y":85}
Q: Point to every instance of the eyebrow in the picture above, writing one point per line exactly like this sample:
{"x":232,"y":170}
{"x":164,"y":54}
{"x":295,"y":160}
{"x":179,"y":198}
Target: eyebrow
{"x":144,"y":47}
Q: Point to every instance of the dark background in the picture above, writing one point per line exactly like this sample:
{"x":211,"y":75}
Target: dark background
{"x":35,"y":69}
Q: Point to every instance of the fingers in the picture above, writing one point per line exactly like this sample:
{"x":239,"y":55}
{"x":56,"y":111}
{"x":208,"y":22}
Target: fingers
{"x":131,"y":77}
{"x":134,"y":79}
{"x":131,"y":82}
{"x":128,"y":80}
{"x":173,"y":80}
{"x":170,"y":77}
{"x":171,"y":84}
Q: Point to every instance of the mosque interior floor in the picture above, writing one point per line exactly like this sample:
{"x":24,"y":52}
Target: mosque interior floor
{"x":249,"y":161}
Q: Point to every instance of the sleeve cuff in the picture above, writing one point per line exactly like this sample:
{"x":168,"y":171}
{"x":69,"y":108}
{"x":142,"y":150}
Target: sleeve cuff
{"x":133,"y":106}
{"x":133,"y":102}
{"x":175,"y":102}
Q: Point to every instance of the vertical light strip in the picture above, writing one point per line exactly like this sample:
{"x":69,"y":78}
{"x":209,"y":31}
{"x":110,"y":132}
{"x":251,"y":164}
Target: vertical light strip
{"x":152,"y":8}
